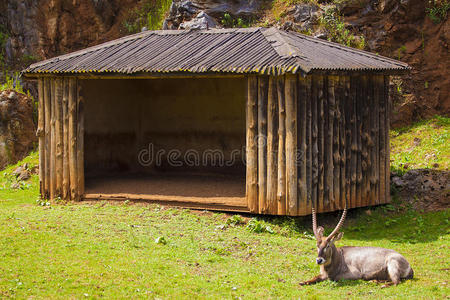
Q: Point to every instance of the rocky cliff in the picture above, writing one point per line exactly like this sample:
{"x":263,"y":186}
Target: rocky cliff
{"x":402,"y":29}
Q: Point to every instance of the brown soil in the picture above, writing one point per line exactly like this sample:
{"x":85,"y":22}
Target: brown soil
{"x":424,"y":189}
{"x":209,"y":189}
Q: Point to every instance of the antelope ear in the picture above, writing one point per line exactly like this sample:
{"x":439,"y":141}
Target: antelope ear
{"x":320,"y":231}
{"x":338,"y":236}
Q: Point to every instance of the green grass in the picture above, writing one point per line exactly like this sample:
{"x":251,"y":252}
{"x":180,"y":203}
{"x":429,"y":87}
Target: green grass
{"x":422,"y":145}
{"x":125,"y":250}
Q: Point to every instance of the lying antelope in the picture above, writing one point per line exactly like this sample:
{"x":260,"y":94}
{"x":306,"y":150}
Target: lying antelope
{"x":367,"y":263}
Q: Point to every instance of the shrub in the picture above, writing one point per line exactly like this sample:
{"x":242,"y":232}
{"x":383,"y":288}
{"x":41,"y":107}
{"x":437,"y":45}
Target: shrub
{"x":150,"y":14}
{"x":438,"y":11}
{"x":333,"y":23}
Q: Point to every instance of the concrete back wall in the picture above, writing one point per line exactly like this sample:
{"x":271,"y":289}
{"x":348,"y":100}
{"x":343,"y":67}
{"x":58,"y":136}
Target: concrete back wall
{"x":124,"y":117}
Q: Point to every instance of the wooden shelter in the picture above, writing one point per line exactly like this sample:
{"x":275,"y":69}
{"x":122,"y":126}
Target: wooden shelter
{"x":312,"y":115}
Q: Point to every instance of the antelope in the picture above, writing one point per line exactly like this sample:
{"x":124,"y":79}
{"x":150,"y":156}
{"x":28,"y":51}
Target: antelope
{"x":367,"y":263}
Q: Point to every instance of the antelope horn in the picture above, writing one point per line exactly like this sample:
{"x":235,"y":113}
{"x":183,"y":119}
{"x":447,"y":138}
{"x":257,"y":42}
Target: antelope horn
{"x":314,"y":222}
{"x":339,"y":225}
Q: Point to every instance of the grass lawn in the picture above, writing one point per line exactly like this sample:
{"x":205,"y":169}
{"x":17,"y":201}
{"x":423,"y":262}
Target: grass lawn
{"x":422,"y":145}
{"x":127,"y":250}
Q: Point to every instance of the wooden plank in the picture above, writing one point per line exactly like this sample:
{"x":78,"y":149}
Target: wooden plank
{"x":383,"y":147}
{"x":65,"y":118}
{"x":272,"y":146}
{"x":281,"y":185}
{"x":263,"y":85}
{"x":186,"y":202}
{"x":41,"y":137}
{"x":252,"y":149}
{"x":320,"y":144}
{"x":314,"y":145}
{"x":388,"y":146}
{"x":291,"y":143}
{"x":80,"y":141}
{"x":72,"y":105}
{"x":302,"y":140}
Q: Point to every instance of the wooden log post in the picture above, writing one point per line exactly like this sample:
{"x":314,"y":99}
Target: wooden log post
{"x":336,"y":146}
{"x":291,"y":143}
{"x":72,"y":128}
{"x":302,"y":141}
{"x":365,"y":164}
{"x":354,"y":140}
{"x":387,"y":145}
{"x":329,"y":168}
{"x":382,"y":149}
{"x":342,"y":139}
{"x":40,"y":133}
{"x":348,"y":139}
{"x":320,"y":144}
{"x":379,"y":90}
{"x":65,"y":118}
{"x":80,"y":142}
{"x":272,"y":145}
{"x":53,"y":140}
{"x":314,"y":145}
{"x":263,"y":84}
{"x":371,"y":144}
{"x":58,"y":136}
{"x":359,"y":108}
{"x":308,"y":107}
{"x":281,"y":184}
{"x":47,"y":139}
{"x":251,"y":144}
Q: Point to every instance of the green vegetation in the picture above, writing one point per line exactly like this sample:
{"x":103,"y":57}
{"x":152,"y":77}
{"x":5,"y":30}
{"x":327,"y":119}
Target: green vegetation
{"x":125,"y":250}
{"x":150,"y":14}
{"x":401,"y":51}
{"x":422,"y":145}
{"x":333,"y":22}
{"x":229,"y":21}
{"x":438,"y":10}
{"x":12,"y":83}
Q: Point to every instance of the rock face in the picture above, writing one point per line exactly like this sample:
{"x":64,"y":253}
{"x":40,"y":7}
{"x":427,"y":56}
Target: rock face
{"x":39,"y":29}
{"x":17,"y":130}
{"x":399,"y":29}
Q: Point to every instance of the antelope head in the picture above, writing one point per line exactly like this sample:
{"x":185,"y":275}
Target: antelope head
{"x":325,"y":244}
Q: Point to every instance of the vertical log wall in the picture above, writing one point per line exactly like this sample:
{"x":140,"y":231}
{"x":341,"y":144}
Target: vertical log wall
{"x":61,"y":132}
{"x":317,"y":140}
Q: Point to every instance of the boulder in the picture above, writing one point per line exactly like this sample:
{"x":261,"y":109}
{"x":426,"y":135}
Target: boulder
{"x":201,"y":21}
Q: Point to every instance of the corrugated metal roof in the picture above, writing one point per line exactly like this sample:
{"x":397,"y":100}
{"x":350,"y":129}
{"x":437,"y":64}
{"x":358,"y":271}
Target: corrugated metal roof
{"x":251,"y":50}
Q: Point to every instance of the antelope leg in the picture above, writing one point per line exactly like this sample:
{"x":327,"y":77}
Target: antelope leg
{"x":315,"y":280}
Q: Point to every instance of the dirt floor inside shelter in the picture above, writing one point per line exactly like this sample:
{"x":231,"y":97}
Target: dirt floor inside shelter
{"x":208,"y":189}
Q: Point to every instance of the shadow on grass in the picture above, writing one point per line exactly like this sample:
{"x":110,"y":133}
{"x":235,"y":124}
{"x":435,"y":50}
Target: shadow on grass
{"x":384,"y":222}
